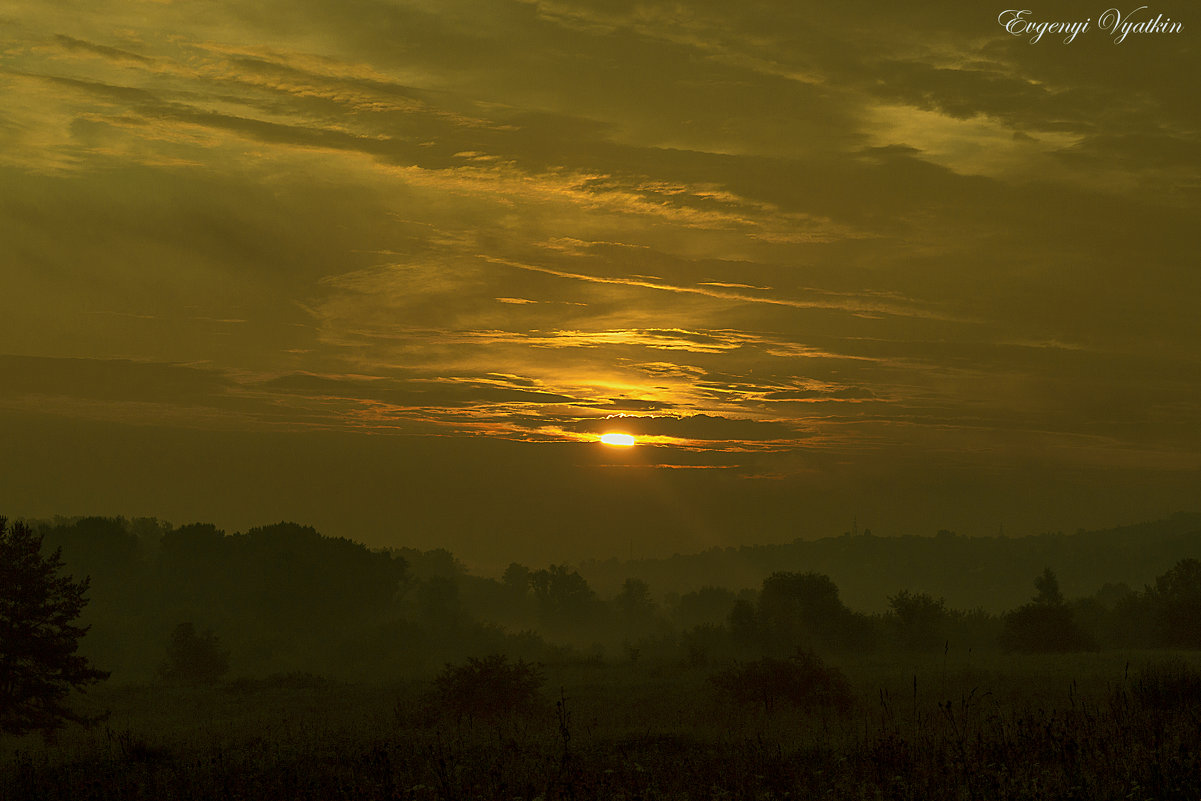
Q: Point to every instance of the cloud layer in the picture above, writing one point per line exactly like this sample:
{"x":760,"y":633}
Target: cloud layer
{"x":771,"y":240}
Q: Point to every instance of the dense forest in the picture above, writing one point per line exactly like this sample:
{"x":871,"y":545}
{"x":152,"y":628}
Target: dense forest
{"x":286,"y":598}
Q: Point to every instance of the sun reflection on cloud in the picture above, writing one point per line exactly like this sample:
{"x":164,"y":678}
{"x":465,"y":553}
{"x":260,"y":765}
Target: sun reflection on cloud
{"x":387,"y":241}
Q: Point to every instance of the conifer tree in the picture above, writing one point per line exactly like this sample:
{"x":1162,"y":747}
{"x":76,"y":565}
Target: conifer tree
{"x":39,"y":636}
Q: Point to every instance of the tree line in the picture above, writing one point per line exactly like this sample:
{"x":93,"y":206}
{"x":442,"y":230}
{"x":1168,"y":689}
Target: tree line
{"x":193,"y":603}
{"x":988,"y":572}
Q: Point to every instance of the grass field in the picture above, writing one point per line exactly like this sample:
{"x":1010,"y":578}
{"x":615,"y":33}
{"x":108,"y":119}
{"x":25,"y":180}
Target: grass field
{"x":954,"y":726}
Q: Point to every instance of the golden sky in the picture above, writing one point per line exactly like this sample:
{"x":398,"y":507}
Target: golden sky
{"x":391,"y":268}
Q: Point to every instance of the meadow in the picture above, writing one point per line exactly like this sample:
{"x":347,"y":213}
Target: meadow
{"x":1107,"y":725}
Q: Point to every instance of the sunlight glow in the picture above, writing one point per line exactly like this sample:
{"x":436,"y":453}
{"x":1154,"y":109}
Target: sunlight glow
{"x":618,"y":440}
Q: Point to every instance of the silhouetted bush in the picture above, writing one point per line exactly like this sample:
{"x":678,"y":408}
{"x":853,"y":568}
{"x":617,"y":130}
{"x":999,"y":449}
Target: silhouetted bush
{"x":802,"y":681}
{"x":803,"y":610}
{"x":919,"y":620}
{"x":635,"y":608}
{"x":744,"y":624}
{"x":563,"y":597}
{"x":194,"y":658}
{"x":1171,"y":686}
{"x":1034,"y":628}
{"x":491,"y":687}
{"x":1176,"y":601}
{"x":1046,"y":625}
{"x":709,"y":604}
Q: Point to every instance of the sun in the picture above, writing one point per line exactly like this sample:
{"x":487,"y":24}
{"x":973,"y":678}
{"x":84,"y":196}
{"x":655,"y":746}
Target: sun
{"x":618,"y":440}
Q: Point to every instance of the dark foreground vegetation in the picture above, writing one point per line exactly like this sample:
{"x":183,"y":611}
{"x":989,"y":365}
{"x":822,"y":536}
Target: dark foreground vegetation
{"x":279,"y":663}
{"x":946,"y":730}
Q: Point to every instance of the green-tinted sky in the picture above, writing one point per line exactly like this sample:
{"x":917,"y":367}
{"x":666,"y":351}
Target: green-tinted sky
{"x":391,"y":268}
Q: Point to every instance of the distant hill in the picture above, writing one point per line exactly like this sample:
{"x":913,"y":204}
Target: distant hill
{"x":995,"y":573}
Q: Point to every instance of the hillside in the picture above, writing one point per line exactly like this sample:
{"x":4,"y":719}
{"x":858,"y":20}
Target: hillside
{"x":993,"y":573}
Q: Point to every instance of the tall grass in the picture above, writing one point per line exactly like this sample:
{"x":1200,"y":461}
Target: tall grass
{"x":654,"y":733}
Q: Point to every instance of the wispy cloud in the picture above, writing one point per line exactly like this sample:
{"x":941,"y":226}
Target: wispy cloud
{"x":780,"y":239}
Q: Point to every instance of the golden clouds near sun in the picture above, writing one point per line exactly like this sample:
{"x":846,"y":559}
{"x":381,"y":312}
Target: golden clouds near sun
{"x":618,"y":440}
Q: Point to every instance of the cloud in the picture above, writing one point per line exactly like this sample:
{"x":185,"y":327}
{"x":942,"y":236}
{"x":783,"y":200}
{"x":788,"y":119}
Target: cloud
{"x":699,"y":427}
{"x":111,"y":53}
{"x":840,"y":394}
{"x":859,"y":235}
{"x":110,"y":380}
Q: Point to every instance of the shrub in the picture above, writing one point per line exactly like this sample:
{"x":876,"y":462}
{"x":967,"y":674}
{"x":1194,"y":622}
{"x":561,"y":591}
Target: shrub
{"x":802,"y":681}
{"x":1043,"y":628}
{"x":1046,"y":625}
{"x":491,"y":687}
{"x":919,"y":619}
{"x":194,"y":658}
{"x":1176,"y":601}
{"x":1168,"y":686}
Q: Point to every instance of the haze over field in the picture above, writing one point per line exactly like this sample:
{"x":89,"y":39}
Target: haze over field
{"x":393,"y":268}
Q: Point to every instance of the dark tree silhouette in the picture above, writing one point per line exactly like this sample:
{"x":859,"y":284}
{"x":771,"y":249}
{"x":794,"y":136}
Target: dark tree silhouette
{"x":709,"y":604}
{"x":516,"y":580}
{"x":285,"y":586}
{"x":1176,"y":601}
{"x":194,"y":658}
{"x":803,"y":609}
{"x":635,"y":607}
{"x":1045,"y":625}
{"x":1047,"y":585}
{"x":95,"y":545}
{"x":39,"y":637}
{"x":744,"y":623}
{"x":920,"y":619}
{"x":439,"y":604}
{"x":563,"y":596}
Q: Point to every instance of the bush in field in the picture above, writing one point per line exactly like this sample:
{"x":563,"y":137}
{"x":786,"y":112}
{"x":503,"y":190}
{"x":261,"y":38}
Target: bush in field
{"x":1176,"y":603}
{"x":194,"y":658}
{"x":1166,"y":614}
{"x":1045,"y":625}
{"x":563,"y":597}
{"x":920,"y":621}
{"x":635,"y":607}
{"x":1169,"y":686}
{"x":802,"y":681}
{"x":804,"y":610}
{"x":491,"y":687}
